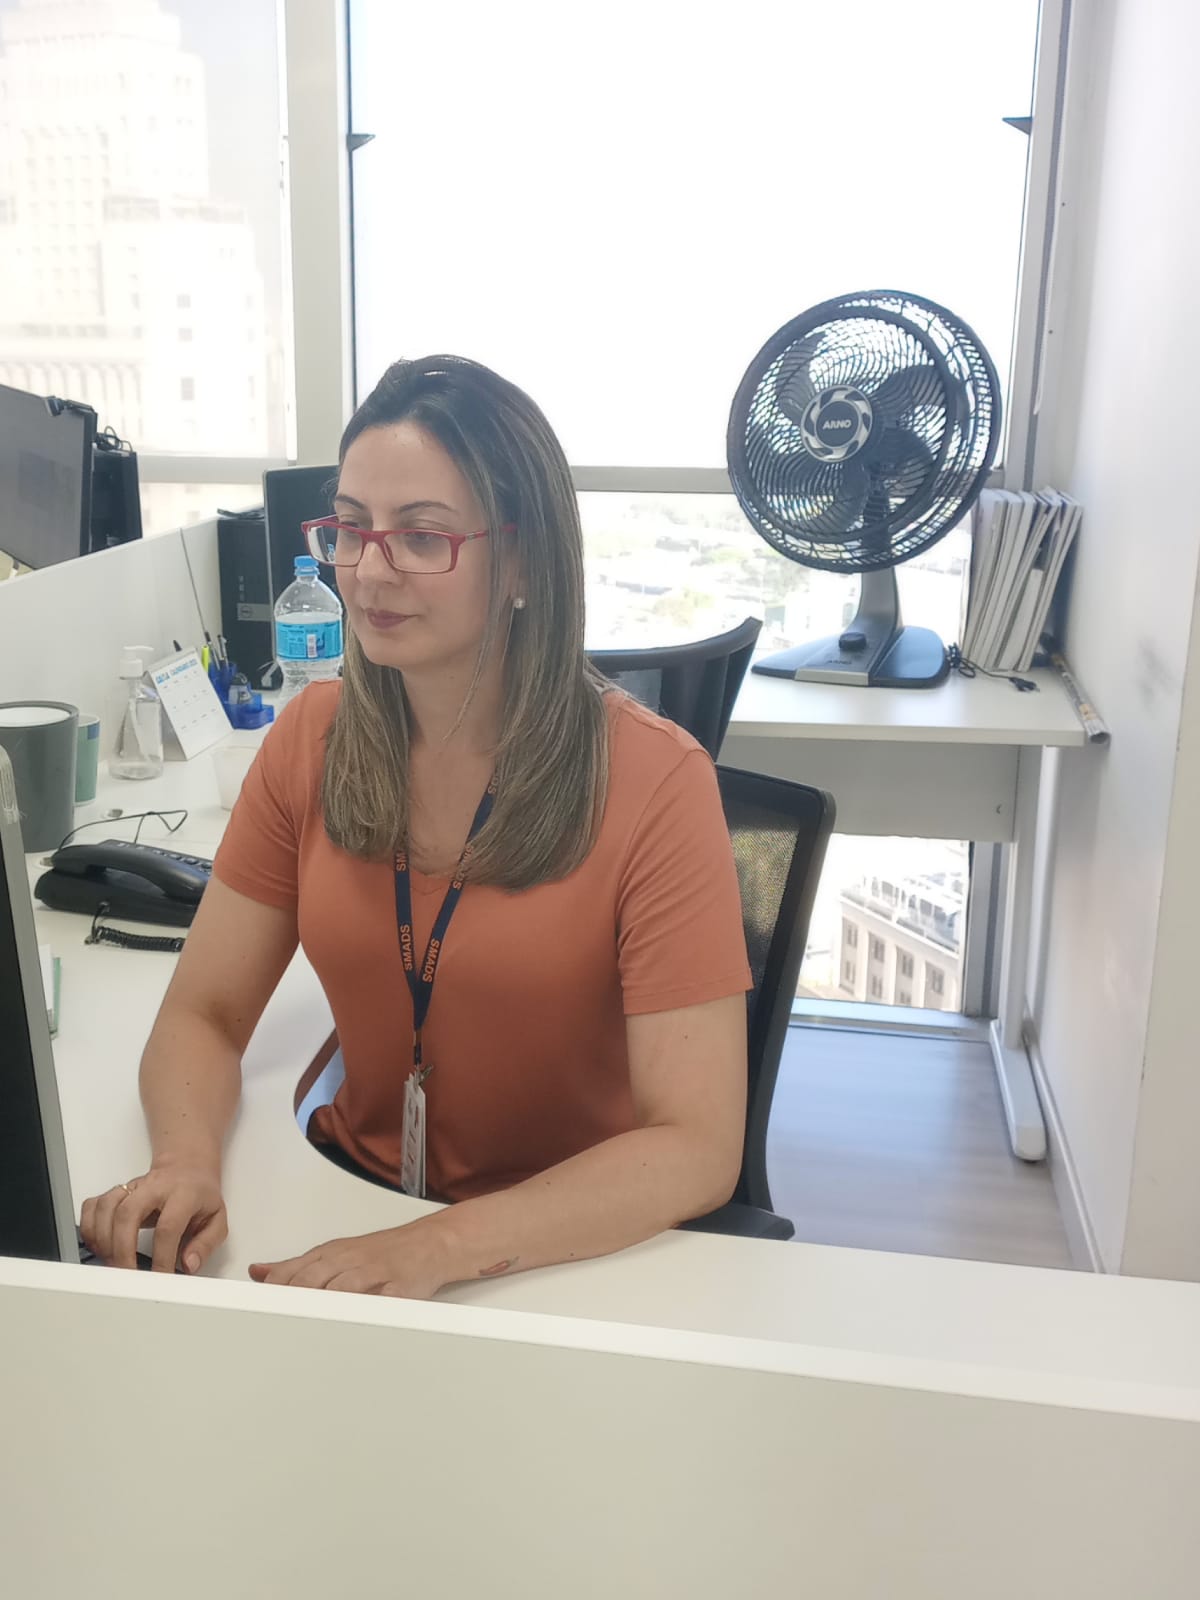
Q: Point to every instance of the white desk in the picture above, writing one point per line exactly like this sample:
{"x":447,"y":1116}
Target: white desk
{"x":962,"y":761}
{"x":283,"y":1196}
{"x":695,"y":1415}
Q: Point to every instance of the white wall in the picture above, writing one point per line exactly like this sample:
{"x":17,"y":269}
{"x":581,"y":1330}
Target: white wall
{"x":1114,"y":984}
{"x":136,"y":593}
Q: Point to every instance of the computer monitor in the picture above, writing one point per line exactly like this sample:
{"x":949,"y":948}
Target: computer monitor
{"x":36,"y":1216}
{"x":45,"y":477}
{"x":292,"y":495}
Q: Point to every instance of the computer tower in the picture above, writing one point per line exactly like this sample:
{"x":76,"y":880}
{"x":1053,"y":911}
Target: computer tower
{"x":247,"y":604}
{"x":256,"y":554}
{"x":116,"y":515}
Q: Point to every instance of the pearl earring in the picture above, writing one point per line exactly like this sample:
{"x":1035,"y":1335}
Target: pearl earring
{"x":519,"y":603}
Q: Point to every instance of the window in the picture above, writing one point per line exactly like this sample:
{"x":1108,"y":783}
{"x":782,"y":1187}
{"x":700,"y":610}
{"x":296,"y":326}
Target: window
{"x":876,"y":989}
{"x":848,"y":974}
{"x":937,"y":981}
{"x":187,"y":388}
{"x":845,"y":895}
{"x":155,"y":219}
{"x":850,"y":935}
{"x":167,"y":506}
{"x":878,"y":949}
{"x":671,"y":141}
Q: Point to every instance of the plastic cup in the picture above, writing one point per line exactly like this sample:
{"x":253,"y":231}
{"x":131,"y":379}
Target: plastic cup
{"x":87,"y":758}
{"x":232,"y":762}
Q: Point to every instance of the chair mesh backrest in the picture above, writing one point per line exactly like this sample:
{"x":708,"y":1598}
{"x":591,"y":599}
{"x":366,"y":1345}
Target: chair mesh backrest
{"x":779,"y":832}
{"x":694,"y":685}
{"x":763,"y":847}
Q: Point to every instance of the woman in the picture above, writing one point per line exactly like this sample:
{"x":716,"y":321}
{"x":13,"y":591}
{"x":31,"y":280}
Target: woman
{"x":582,"y":1072}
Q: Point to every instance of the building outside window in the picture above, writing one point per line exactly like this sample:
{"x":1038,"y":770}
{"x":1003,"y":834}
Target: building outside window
{"x":181,"y":215}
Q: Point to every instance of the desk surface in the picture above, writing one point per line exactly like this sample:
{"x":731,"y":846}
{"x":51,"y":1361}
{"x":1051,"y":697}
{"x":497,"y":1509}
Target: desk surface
{"x":283,"y":1196}
{"x":960,"y":711}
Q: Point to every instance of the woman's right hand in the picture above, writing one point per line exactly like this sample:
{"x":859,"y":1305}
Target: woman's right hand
{"x":180,"y":1199}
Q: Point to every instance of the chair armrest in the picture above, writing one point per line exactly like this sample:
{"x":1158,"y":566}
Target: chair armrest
{"x":742,"y":1222}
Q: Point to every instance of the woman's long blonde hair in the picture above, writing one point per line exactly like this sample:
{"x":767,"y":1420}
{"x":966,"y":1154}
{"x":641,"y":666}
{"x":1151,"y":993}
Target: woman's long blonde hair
{"x":552,"y":759}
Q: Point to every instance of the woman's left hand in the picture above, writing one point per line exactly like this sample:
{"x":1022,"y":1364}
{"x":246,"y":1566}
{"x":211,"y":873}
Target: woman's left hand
{"x":408,"y":1262}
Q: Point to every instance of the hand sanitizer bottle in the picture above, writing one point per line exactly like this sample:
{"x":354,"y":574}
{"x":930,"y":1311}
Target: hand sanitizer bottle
{"x":139,"y":752}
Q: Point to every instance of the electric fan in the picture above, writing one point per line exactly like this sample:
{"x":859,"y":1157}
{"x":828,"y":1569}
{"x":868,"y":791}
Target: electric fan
{"x":861,"y":433}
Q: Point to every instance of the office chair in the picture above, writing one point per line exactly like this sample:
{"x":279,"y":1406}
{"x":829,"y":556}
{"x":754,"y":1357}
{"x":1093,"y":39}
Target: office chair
{"x":779,"y":832}
{"x":694,"y":685}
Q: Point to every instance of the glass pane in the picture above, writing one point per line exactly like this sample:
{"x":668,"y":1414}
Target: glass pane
{"x":141,"y":218}
{"x":617,"y":206}
{"x":168,"y":506}
{"x":889,"y":923}
{"x":666,"y":568}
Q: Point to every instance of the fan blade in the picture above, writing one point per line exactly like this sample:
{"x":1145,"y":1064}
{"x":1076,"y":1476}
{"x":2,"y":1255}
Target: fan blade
{"x":901,"y":463}
{"x":906,"y":391}
{"x":777,"y":458}
{"x":794,"y":385}
{"x":820,"y":498}
{"x":771,"y":441}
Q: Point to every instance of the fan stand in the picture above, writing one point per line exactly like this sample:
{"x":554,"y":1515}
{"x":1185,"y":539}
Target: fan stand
{"x":875,"y":649}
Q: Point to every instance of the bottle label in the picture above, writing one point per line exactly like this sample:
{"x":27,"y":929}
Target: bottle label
{"x":308,"y":641}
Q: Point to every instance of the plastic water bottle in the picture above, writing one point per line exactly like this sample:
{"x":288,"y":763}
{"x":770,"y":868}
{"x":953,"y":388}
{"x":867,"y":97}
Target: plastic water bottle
{"x":308,"y":630}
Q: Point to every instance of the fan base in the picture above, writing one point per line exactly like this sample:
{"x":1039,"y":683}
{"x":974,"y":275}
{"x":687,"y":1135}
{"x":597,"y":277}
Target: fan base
{"x":914,"y":658}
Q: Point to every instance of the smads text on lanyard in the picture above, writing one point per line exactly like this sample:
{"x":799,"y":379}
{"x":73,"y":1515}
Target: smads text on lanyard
{"x":420,"y":985}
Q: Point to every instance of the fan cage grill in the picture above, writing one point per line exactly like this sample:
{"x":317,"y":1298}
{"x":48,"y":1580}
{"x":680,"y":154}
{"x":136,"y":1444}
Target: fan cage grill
{"x":798,"y":504}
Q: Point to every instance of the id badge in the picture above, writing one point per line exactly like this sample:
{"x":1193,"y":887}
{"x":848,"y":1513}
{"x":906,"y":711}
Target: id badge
{"x":412,"y":1164}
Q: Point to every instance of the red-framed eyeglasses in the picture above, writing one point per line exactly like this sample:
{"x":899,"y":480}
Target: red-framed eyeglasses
{"x":415,"y":550}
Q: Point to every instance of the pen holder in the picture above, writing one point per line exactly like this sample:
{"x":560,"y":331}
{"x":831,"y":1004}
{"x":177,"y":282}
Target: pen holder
{"x":241,"y":704}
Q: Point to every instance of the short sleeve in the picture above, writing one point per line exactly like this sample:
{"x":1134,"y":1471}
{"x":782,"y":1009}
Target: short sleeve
{"x":679,"y":912}
{"x":259,"y":853}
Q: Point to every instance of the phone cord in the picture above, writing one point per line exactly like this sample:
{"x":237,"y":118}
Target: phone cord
{"x":129,"y":941}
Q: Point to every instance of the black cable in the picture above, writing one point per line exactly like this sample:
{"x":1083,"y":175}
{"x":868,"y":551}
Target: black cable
{"x":129,"y":941}
{"x":131,"y":816}
{"x":969,"y":669}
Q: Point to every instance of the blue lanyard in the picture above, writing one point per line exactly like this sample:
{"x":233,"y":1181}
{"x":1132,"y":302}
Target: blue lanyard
{"x":420,"y":983}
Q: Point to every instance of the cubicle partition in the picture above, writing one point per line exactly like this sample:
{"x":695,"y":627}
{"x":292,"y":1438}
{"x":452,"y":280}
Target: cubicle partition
{"x":200,"y":1438}
{"x":63,"y":628}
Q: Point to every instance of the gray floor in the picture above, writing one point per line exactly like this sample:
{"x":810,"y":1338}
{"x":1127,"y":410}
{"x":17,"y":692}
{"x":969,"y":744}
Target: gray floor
{"x":891,"y":1142}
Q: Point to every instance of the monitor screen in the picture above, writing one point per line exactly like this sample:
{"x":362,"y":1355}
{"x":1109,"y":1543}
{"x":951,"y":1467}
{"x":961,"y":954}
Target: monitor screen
{"x":292,"y":495}
{"x":36,"y":1216}
{"x":45,"y":478}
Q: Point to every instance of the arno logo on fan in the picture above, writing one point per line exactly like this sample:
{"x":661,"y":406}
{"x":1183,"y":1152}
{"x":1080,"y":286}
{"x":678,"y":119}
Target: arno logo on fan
{"x":837,"y":423}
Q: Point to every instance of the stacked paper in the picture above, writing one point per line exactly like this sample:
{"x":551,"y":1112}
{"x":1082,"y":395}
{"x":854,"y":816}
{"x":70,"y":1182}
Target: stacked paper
{"x":1019,"y":543}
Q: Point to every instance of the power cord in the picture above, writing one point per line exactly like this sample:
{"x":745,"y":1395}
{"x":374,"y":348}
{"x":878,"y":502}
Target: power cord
{"x":969,"y":669}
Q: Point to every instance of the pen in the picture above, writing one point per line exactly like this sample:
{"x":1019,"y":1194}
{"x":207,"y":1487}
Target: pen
{"x":205,"y":657}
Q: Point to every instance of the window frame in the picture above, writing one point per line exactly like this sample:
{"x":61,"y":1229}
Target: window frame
{"x":317,"y":174}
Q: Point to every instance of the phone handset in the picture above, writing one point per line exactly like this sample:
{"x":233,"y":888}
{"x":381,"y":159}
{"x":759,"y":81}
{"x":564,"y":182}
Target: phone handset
{"x":181,"y":878}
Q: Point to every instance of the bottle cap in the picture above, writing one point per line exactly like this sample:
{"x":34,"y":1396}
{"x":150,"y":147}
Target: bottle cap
{"x":132,"y":665}
{"x":306,"y":566}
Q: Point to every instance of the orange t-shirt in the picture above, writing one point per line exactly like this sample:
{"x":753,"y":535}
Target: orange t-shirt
{"x":526,"y":1029}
